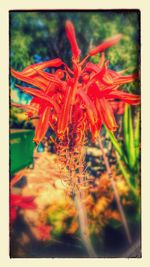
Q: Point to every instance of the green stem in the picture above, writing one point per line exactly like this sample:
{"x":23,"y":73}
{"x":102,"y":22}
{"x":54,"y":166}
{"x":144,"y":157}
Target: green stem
{"x":117,"y":197}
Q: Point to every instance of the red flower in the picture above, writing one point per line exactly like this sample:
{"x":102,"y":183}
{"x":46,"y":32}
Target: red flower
{"x":74,"y":101}
{"x":20,"y":202}
{"x":43,"y":232}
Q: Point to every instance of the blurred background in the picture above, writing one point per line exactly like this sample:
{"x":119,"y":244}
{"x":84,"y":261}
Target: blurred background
{"x":44,"y":220}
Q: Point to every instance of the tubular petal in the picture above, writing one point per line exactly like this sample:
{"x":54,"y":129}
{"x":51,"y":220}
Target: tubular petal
{"x":91,"y":110}
{"x":100,"y":117}
{"x":23,"y":78}
{"x":94,"y":91}
{"x":113,"y":74}
{"x":126,"y":79}
{"x":91,"y":67}
{"x":64,"y":115}
{"x":51,"y":78}
{"x":70,"y":32}
{"x":101,"y":61}
{"x":32,"y":69}
{"x":39,"y":94}
{"x":42,"y":80}
{"x":29,"y":108}
{"x":42,"y":125}
{"x":107,"y":114}
{"x":106,"y":44}
{"x":126,"y":97}
{"x":101,"y":74}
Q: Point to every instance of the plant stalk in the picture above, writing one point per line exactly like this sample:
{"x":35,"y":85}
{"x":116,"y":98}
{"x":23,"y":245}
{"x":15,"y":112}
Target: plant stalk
{"x":83,"y":224}
{"x":117,"y":197}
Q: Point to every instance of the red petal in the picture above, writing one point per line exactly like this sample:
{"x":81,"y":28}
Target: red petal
{"x":101,"y":61}
{"x":100,"y":118}
{"x":25,"y":202}
{"x":39,"y":94}
{"x":70,"y":32}
{"x":15,"y":199}
{"x":125,"y":97}
{"x":51,"y":78}
{"x":64,"y":115}
{"x":91,"y":67}
{"x":102,"y":75}
{"x":107,"y":114}
{"x":42,"y":80}
{"x":91,"y":111}
{"x":32,"y":69}
{"x":23,"y":78}
{"x":113,"y":74}
{"x":99,"y":75}
{"x":42,"y":126}
{"x":126,"y":79}
{"x":106,"y":44}
{"x":29,"y":107}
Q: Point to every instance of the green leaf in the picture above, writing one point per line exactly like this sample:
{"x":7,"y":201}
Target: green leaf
{"x":131,"y":151}
{"x":129,"y":137}
{"x":116,"y":145}
{"x":126,"y":129}
{"x":137,"y":137}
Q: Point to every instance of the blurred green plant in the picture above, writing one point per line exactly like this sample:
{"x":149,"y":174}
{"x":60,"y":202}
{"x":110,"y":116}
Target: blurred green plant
{"x":128,"y":150}
{"x":18,"y":119}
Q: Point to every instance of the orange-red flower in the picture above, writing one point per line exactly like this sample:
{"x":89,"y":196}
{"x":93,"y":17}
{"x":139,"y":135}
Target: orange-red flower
{"x":77,"y":100}
{"x":43,"y":232}
{"x":20,"y":202}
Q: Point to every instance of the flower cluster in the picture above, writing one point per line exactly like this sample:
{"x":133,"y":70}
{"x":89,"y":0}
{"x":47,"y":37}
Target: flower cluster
{"x":74,"y":101}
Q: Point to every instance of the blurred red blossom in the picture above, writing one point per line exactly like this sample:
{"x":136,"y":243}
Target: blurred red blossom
{"x":18,"y":202}
{"x":42,"y":232}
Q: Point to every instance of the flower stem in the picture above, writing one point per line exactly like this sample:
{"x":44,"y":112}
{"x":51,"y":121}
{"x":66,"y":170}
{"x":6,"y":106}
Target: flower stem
{"x":83,"y":224}
{"x":117,"y":197}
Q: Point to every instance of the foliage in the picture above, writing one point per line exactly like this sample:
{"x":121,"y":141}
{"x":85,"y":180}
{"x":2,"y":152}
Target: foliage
{"x":18,"y":119}
{"x":128,"y":150}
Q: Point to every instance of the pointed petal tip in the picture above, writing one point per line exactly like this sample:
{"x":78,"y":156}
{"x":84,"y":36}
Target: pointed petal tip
{"x":106,"y":44}
{"x":71,"y":35}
